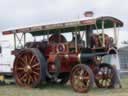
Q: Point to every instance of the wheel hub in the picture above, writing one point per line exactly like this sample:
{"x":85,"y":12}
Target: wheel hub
{"x":81,"y":78}
{"x":27,"y":68}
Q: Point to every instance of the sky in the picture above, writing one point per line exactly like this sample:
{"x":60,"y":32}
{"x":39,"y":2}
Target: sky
{"x":21,"y":13}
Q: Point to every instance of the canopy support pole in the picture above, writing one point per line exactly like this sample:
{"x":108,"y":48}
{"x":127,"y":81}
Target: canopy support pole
{"x":24,"y":38}
{"x":103,"y":43}
{"x":14,"y":39}
{"x":115,"y":34}
{"x":76,"y":41}
{"x":48,"y":36}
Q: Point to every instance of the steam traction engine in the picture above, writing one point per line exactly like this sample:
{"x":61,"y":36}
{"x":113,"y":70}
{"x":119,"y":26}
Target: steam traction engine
{"x":55,"y":59}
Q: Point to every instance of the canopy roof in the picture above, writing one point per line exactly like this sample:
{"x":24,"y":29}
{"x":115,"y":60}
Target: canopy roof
{"x":68,"y":26}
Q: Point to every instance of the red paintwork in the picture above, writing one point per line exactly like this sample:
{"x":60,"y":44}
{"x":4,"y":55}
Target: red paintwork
{"x":7,"y":33}
{"x":65,"y":51}
{"x":66,"y":57}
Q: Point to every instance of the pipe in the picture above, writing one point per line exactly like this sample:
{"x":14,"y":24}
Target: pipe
{"x":85,"y":57}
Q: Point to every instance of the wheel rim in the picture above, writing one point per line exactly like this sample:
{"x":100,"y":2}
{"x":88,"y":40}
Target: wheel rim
{"x":27,"y":69}
{"x":80,"y":79}
{"x":104,"y":76}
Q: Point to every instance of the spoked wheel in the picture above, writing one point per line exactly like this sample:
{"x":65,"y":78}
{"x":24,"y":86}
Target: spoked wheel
{"x":81,"y":78}
{"x":28,"y":68}
{"x":105,"y":76}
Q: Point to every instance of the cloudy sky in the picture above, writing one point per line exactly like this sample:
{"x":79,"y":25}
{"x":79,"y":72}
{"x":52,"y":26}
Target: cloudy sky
{"x":20,"y":13}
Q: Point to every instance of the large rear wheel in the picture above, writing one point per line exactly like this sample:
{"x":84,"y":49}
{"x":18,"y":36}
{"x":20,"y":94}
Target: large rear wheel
{"x":28,"y":68}
{"x":81,"y":78}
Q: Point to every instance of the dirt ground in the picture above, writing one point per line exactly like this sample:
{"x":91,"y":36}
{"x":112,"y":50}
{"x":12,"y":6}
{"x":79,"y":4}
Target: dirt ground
{"x":61,"y":90}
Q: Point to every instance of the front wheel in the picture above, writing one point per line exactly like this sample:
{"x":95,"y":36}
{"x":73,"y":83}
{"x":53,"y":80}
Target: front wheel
{"x":105,"y":76}
{"x":81,"y":78}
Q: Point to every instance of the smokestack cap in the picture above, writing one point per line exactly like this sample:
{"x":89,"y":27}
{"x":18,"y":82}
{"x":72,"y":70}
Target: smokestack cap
{"x":88,"y":14}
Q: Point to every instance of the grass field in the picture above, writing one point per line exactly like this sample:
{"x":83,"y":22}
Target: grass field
{"x":61,"y":90}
